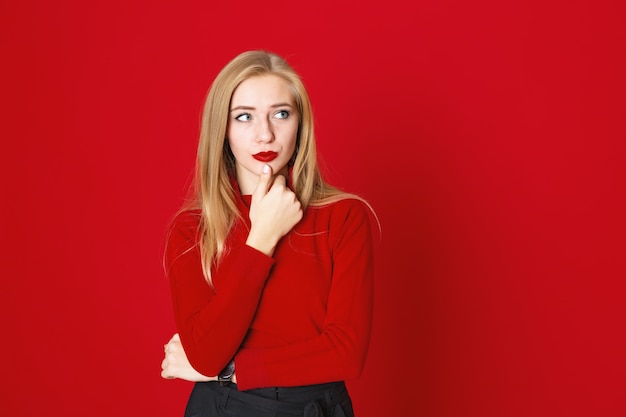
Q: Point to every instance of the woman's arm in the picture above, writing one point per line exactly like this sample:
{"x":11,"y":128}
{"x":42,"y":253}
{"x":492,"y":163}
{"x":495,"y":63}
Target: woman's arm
{"x":212,"y":322}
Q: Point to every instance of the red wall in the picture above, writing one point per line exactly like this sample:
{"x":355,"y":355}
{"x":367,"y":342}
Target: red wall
{"x":489,"y":135}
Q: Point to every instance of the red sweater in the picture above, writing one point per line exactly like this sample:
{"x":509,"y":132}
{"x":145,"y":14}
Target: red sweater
{"x":302,"y":317}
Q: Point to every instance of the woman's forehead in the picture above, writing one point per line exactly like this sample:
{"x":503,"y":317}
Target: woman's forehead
{"x":260,"y":90}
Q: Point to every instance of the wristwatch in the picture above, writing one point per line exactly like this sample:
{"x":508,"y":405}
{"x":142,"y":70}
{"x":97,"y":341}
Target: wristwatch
{"x":225,"y":377}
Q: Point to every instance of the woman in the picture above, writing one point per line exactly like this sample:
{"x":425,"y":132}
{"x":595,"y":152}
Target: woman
{"x":270,"y":267}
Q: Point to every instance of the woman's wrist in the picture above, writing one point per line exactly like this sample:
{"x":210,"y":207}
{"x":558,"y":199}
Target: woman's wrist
{"x":265,"y":246}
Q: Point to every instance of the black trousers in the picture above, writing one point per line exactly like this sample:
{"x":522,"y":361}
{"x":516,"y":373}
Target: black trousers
{"x":210,"y":399}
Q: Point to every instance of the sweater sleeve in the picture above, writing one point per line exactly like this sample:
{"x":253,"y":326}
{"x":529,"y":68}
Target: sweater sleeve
{"x":339,"y":351}
{"x":212,"y":322}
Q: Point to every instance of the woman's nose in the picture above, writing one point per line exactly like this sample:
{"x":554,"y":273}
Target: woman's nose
{"x":265,"y":132}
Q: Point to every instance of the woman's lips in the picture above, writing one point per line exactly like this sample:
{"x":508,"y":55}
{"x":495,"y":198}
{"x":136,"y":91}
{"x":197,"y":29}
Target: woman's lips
{"x":265,"y":156}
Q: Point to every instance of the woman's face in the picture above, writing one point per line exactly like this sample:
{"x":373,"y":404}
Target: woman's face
{"x":262,"y":128}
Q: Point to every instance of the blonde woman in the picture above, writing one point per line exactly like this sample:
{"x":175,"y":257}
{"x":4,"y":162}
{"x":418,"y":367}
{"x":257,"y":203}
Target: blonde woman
{"x":270,"y":267}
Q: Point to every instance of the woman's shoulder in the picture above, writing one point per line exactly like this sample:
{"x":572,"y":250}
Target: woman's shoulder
{"x":187,"y":215}
{"x":345,"y":208}
{"x":351,"y":213}
{"x":186,"y":222}
{"x":343,"y":203}
{"x":183,"y":234}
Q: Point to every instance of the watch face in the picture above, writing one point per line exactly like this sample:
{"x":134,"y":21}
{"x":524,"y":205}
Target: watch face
{"x":227,"y":372}
{"x":230,"y":368}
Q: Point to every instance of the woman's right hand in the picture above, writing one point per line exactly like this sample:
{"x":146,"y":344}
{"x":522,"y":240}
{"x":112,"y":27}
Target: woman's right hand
{"x":274,"y":211}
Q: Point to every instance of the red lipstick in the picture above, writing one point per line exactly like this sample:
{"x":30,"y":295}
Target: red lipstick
{"x":265,"y":156}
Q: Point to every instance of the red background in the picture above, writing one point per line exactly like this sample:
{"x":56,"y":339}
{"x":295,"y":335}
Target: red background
{"x":489,"y":136}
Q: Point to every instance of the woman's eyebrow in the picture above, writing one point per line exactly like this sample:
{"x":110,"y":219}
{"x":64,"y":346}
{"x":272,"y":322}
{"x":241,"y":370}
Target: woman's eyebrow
{"x":281,"y":105}
{"x":242,"y":108}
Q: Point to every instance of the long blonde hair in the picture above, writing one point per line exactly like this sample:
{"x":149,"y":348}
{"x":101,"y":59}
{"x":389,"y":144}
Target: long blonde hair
{"x":213,"y":192}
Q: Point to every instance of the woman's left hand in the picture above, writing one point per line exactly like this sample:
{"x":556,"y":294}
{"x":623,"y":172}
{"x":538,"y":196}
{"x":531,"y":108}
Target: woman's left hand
{"x":176,"y":365}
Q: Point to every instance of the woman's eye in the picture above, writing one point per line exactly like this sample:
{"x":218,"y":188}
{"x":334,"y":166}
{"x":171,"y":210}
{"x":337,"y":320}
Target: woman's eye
{"x":283,"y":114}
{"x":245,"y":117}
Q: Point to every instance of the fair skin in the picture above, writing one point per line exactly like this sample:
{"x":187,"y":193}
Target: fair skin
{"x":263,"y":118}
{"x":176,"y":365}
{"x":263,"y":122}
